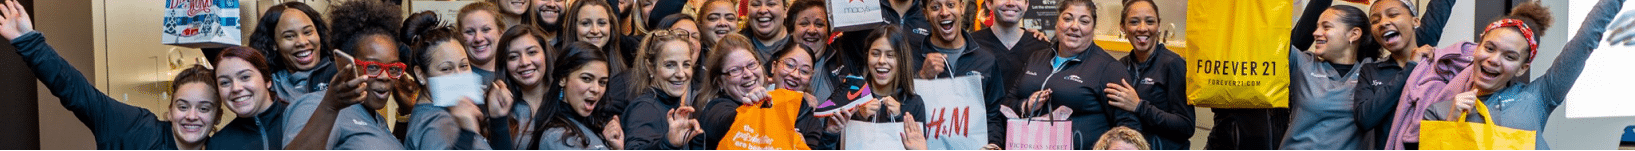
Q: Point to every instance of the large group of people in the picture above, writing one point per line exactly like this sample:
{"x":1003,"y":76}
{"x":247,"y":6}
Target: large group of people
{"x":672,"y":74}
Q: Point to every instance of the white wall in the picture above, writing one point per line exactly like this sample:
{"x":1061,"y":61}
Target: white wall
{"x":67,"y":25}
{"x":1561,"y":132}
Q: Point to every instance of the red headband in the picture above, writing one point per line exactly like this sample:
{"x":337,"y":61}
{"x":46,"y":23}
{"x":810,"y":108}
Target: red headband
{"x":1527,"y":33}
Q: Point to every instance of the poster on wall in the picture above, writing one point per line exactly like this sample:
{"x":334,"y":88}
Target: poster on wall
{"x":202,"y":23}
{"x":1041,"y":15}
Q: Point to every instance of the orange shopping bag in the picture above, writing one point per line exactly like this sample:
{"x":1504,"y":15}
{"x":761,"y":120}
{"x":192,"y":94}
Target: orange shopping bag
{"x":1461,"y":135}
{"x":767,"y":125}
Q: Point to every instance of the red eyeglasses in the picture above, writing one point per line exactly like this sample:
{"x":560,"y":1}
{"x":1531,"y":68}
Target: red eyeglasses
{"x":377,"y":69}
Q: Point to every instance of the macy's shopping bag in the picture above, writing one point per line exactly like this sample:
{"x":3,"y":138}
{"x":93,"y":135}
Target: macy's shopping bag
{"x":764,"y":126}
{"x":957,"y":119}
{"x":202,"y":23}
{"x":1461,"y":135}
{"x":1048,"y":132}
{"x":854,"y":15}
{"x":1239,"y":53}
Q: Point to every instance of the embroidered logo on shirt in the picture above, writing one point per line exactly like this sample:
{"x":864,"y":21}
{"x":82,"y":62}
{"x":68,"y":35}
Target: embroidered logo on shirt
{"x":356,"y":121}
{"x":1074,"y":78}
{"x":922,"y":31}
{"x":1378,"y":83}
{"x":1147,"y":81}
{"x":1030,"y":73}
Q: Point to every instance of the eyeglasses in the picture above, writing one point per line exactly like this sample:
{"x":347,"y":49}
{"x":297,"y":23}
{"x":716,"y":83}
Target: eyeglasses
{"x":789,"y":66}
{"x":741,"y":70}
{"x":377,"y":69}
{"x":671,"y":34}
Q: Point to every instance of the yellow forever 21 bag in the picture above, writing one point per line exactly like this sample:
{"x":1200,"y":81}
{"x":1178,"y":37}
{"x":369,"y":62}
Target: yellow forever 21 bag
{"x":1239,"y":53}
{"x":1461,"y":135}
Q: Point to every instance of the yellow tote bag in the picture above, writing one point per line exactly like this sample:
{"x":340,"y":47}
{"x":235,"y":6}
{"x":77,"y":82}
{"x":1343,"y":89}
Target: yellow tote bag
{"x":1239,"y":53}
{"x":1461,"y":135}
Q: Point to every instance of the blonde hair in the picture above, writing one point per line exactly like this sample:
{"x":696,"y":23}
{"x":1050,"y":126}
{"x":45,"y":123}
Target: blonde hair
{"x":1122,"y":134}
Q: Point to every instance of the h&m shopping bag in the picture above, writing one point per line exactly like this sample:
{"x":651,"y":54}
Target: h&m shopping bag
{"x":1239,"y":53}
{"x":1048,"y":132}
{"x":854,"y":15}
{"x":956,"y":115}
{"x":202,"y":23}
{"x":865,"y":135}
{"x":767,"y":125}
{"x":1461,"y":135}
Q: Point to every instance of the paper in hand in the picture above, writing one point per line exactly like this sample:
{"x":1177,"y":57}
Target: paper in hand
{"x":447,"y":90}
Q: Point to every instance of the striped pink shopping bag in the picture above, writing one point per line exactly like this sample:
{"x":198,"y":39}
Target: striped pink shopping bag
{"x":1046,"y":132}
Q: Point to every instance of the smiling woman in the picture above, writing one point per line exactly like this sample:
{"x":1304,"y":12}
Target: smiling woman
{"x":193,"y":111}
{"x":291,"y":36}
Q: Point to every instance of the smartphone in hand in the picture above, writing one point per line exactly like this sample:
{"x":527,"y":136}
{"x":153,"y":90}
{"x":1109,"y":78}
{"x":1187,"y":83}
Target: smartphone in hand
{"x":344,"y":61}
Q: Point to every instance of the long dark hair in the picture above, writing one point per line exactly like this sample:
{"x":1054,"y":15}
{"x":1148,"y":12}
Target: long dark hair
{"x":569,"y":35}
{"x":1354,"y":17}
{"x":902,"y":80}
{"x":511,"y":34}
{"x":263,"y":38}
{"x":556,"y":113}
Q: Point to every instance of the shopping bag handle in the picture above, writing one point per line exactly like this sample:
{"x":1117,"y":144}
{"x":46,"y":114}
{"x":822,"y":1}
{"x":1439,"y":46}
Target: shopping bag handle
{"x":1481,"y":110}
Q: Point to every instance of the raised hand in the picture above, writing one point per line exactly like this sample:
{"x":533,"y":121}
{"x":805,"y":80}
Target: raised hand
{"x":1622,"y":35}
{"x":614,"y":133}
{"x":14,"y":20}
{"x":351,"y":89}
{"x":407,"y":92}
{"x":499,"y":100}
{"x":682,"y":126}
{"x":913,"y":133}
{"x":467,"y":115}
